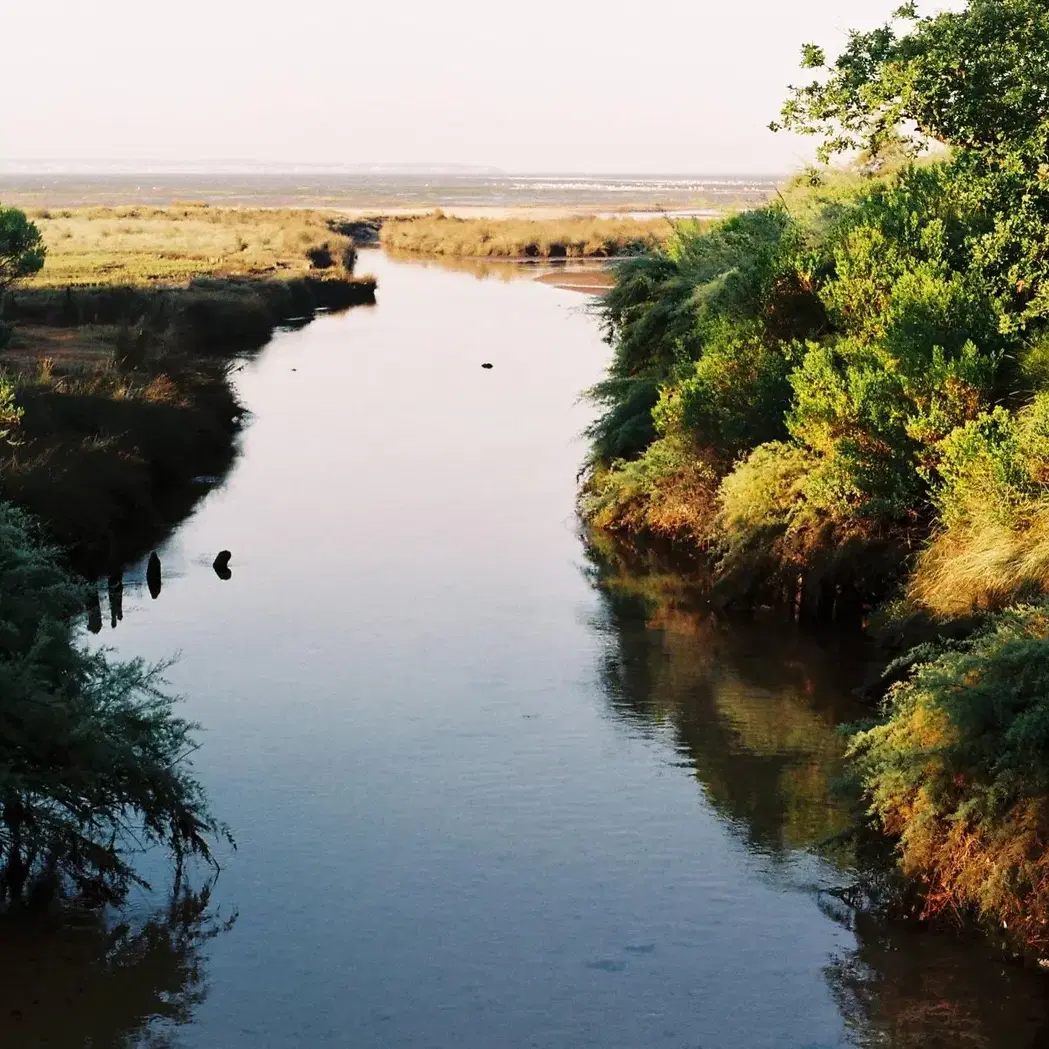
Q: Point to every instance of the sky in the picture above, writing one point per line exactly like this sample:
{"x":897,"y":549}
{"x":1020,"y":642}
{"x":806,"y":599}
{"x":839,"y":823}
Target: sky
{"x":656,"y":86}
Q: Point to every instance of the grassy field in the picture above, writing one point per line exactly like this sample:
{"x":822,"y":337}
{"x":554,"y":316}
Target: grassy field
{"x":144,"y":245}
{"x":573,"y":238}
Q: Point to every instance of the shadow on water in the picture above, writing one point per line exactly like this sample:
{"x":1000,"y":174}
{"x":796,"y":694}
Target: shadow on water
{"x":105,"y":985}
{"x":753,"y":710}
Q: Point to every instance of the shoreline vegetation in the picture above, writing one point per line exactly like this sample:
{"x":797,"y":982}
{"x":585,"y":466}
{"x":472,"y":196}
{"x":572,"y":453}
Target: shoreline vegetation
{"x":118,"y":352}
{"x":837,"y":405}
{"x":115,"y":395}
{"x":573,"y":237}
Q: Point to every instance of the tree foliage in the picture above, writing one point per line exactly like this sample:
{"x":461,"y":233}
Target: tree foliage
{"x":875,"y":318}
{"x":22,"y":248}
{"x":974,"y":78}
{"x":959,"y":772}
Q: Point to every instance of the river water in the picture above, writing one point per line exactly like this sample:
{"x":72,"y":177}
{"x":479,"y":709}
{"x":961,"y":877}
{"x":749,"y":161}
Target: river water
{"x":491,"y":790}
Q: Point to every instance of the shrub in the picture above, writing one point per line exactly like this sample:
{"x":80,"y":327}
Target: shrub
{"x":734,"y":399}
{"x":22,"y":248}
{"x":958,"y":772}
{"x":10,"y":412}
{"x":991,"y":493}
{"x":669,"y":492}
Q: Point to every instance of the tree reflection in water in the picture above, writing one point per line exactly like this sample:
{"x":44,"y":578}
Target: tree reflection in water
{"x":910,"y":988}
{"x":104,"y":985}
{"x":753,"y":710}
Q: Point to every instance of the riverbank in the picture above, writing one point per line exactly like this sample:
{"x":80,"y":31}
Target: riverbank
{"x":839,"y":404}
{"x":120,"y":352}
{"x":572,"y":237}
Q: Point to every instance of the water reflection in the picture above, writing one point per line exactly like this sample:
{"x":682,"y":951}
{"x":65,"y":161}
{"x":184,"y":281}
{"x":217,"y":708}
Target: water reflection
{"x":133,"y":581}
{"x":221,"y":566}
{"x":94,"y":610}
{"x":503,"y":269}
{"x":753,"y":711}
{"x":95,"y":984}
{"x":912,"y":989}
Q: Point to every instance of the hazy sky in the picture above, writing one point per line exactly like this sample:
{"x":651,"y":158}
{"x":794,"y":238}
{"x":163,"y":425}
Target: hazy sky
{"x":547,"y":85}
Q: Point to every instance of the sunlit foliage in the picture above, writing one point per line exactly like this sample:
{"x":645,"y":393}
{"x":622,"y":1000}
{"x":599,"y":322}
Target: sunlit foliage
{"x":862,"y":371}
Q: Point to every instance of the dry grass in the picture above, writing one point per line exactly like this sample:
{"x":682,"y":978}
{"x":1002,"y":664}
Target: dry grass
{"x":143,"y":245}
{"x":573,"y":238}
{"x":985,"y":565}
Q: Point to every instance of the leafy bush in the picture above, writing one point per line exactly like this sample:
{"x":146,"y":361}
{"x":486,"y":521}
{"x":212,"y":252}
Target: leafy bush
{"x":958,"y":772}
{"x":669,"y":492}
{"x":993,"y":501}
{"x":736,"y":396}
{"x":10,"y":413}
{"x":22,"y":248}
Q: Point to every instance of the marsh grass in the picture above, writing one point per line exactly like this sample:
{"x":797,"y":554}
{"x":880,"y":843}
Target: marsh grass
{"x":139,"y":245}
{"x":573,"y":238}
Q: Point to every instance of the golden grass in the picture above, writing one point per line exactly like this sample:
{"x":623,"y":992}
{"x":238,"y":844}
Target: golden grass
{"x":576,"y":237}
{"x":987,"y":565}
{"x":144,"y":245}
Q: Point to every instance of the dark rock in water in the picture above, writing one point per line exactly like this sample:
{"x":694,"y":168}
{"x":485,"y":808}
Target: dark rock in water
{"x":487,"y":365}
{"x":153,"y":578}
{"x":221,"y":565}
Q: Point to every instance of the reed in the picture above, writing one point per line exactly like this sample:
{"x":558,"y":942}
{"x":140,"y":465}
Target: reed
{"x":573,"y":238}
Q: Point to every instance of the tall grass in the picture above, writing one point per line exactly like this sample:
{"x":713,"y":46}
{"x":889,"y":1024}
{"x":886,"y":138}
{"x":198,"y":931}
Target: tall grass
{"x":576,"y":237}
{"x":143,"y":245}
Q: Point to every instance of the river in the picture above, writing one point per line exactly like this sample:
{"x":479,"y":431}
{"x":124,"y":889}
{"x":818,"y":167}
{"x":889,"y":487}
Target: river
{"x":489,"y":790}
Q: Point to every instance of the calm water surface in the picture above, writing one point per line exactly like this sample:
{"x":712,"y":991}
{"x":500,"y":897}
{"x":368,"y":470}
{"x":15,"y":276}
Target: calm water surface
{"x":481,"y":801}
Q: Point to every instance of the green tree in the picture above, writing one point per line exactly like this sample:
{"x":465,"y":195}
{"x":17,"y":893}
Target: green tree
{"x":22,"y":248}
{"x":975,"y":79}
